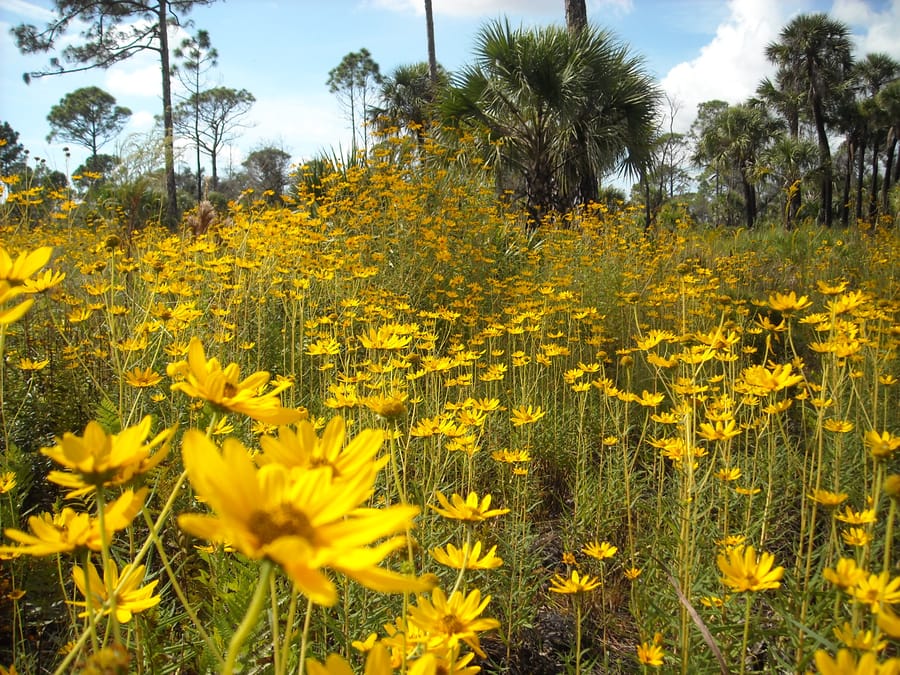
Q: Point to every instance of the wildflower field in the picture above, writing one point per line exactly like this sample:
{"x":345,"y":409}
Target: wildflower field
{"x":385,"y":427}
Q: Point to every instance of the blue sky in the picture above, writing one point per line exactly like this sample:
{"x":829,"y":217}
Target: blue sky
{"x":282,"y":50}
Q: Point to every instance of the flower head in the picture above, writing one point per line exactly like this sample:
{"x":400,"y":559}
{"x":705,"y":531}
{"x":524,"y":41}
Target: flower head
{"x":303,"y":520}
{"x":470,"y":509}
{"x":100,"y":459}
{"x":650,"y":654}
{"x":575,"y":583}
{"x":70,"y":531}
{"x":600,"y":551}
{"x":301,"y":447}
{"x":745,"y":571}
{"x":206,"y":379}
{"x":788,"y":303}
{"x":883,"y":445}
{"x":845,"y":573}
{"x":129,"y":596}
{"x":446,"y":622}
{"x":466,"y":558}
{"x":526,"y":415}
{"x":24,"y":266}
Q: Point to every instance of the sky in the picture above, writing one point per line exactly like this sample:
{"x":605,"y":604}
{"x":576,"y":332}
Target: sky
{"x":282,"y":50}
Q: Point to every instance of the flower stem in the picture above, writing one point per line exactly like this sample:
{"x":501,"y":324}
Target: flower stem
{"x":304,"y":638}
{"x":743,"y":651}
{"x":249,"y":621}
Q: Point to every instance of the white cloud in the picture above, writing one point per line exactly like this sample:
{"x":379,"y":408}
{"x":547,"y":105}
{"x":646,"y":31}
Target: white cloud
{"x":141,"y":121}
{"x":306,"y":125}
{"x":874,"y":31}
{"x":730,"y":67}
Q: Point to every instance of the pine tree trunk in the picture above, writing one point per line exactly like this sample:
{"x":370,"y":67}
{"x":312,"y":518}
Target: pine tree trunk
{"x":860,"y":171}
{"x":432,"y":54}
{"x":576,"y":15}
{"x":170,"y":216}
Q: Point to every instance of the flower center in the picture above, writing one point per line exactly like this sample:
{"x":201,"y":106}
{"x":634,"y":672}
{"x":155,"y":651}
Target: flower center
{"x":451,"y":625}
{"x":283,"y":521}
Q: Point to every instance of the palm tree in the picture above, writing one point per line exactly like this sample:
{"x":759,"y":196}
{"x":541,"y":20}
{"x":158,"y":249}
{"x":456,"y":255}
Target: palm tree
{"x":816,"y":50}
{"x":790,"y":159}
{"x":407,"y":99}
{"x":576,"y":15}
{"x":559,"y":110}
{"x":786,"y":96}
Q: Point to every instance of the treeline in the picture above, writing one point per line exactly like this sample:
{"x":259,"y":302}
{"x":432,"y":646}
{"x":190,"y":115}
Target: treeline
{"x":556,"y":112}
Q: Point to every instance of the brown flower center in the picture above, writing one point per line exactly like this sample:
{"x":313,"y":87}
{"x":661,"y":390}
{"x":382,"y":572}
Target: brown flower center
{"x":451,"y":625}
{"x":283,"y":521}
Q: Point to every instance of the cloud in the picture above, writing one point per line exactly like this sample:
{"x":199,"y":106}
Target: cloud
{"x":306,"y":125}
{"x":874,"y":31}
{"x":730,"y":67}
{"x":132,"y":78}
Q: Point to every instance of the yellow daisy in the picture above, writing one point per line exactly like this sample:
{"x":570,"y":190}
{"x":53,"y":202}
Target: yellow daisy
{"x":300,"y":519}
{"x":446,"y":622}
{"x":467,"y":558}
{"x":206,"y":379}
{"x":745,"y":571}
{"x":129,"y":597}
{"x":470,"y":509}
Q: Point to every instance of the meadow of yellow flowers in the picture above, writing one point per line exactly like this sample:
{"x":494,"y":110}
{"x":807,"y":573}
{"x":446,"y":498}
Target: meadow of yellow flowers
{"x":383,"y":428}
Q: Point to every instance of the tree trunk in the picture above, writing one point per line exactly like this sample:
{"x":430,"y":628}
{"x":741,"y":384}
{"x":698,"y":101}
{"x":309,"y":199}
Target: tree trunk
{"x":848,"y":175}
{"x":860,"y":172}
{"x":214,"y":180}
{"x":824,"y":147}
{"x":199,"y":165}
{"x":576,"y":16}
{"x":749,"y":200}
{"x":432,"y":54}
{"x":888,"y":165}
{"x":170,"y":217}
{"x":873,"y":193}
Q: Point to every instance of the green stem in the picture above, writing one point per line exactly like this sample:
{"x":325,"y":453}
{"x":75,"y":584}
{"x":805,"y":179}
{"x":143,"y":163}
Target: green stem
{"x":250,"y":618}
{"x":304,"y":638}
{"x":289,"y":626}
{"x":743,"y":652}
{"x":111,"y":594}
{"x":192,"y":615}
{"x":578,"y":634}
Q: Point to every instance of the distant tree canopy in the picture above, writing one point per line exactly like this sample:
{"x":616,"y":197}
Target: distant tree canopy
{"x":12,"y":153}
{"x":116,"y":31}
{"x":211,"y":118}
{"x":407,"y":99}
{"x":267,"y":170}
{"x":88,"y":117}
{"x":194,"y":57}
{"x":354,"y":81}
{"x":775,"y":153}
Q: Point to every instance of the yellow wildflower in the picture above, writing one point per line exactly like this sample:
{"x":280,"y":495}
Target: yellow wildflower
{"x":206,"y":379}
{"x":745,"y":571}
